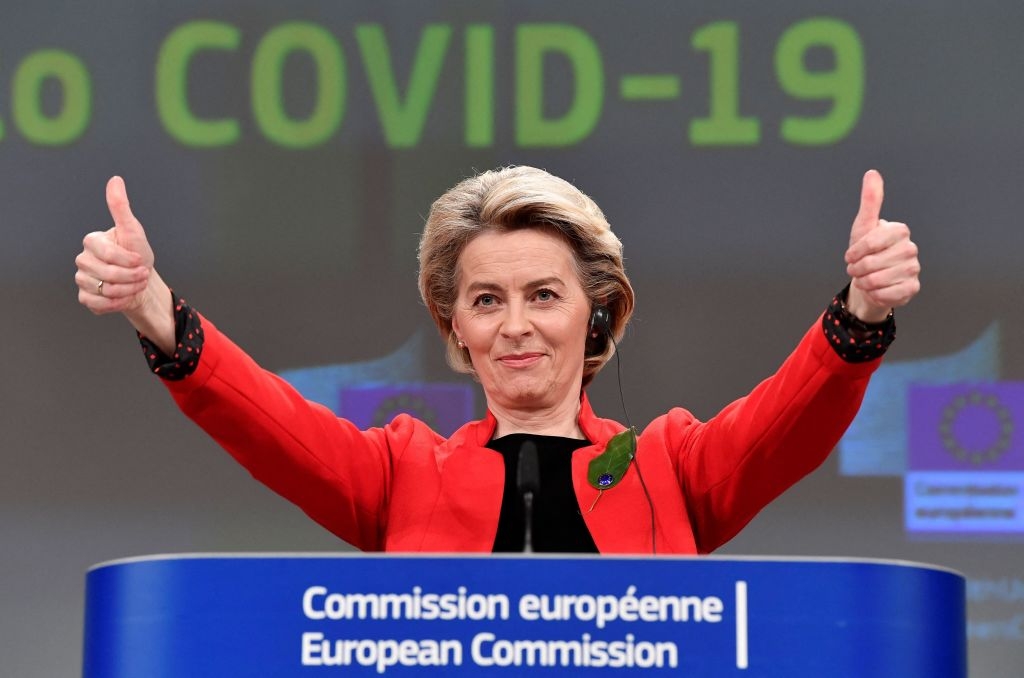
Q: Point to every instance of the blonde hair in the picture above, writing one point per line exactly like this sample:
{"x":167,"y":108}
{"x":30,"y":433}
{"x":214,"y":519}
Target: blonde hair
{"x":512,"y":198}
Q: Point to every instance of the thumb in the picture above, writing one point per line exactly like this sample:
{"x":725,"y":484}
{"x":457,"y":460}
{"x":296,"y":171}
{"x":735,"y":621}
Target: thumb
{"x":872,"y":193}
{"x":128,"y":231}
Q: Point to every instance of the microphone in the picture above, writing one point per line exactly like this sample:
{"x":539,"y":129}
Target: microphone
{"x":528,"y":483}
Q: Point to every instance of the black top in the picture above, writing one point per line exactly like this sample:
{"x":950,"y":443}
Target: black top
{"x":558,"y":525}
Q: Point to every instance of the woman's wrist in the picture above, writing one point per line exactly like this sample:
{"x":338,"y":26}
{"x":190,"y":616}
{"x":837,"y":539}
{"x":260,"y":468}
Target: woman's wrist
{"x":858,"y":306}
{"x":154,"y":317}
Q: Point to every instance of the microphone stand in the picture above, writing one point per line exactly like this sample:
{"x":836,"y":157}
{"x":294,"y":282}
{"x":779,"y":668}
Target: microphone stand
{"x":528,"y":483}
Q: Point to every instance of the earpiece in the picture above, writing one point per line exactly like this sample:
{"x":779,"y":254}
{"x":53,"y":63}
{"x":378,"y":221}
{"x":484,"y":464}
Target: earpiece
{"x":600,"y":321}
{"x":599,"y":331}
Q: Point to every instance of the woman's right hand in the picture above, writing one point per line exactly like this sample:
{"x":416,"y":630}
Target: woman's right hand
{"x":116,"y":274}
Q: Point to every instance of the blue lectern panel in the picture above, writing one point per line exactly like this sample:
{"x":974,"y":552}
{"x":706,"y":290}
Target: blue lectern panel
{"x":499,"y":616}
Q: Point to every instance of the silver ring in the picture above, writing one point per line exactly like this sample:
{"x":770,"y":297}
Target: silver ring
{"x":99,"y":288}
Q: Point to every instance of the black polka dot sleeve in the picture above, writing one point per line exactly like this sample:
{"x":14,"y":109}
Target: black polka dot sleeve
{"x":188,"y":338}
{"x":853,"y":340}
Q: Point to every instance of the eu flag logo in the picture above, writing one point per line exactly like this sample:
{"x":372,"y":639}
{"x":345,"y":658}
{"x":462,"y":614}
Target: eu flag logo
{"x":966,"y":460}
{"x":961,"y":427}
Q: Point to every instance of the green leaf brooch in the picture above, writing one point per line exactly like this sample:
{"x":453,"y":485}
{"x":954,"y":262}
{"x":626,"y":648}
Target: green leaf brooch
{"x":608,"y":468}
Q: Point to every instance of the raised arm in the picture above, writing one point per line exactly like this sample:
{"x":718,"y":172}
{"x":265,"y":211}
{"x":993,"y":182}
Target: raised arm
{"x":742,"y":459}
{"x":337,"y":474}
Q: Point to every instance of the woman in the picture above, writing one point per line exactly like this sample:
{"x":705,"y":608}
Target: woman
{"x":524,"y":279}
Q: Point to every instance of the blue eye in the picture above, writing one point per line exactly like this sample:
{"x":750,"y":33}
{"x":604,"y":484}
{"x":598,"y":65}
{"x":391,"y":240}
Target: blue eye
{"x":545,"y":295}
{"x":485,"y":300}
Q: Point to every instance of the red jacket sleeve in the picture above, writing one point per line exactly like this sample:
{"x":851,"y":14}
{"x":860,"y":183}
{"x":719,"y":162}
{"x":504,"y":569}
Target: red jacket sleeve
{"x":336,"y":473}
{"x":736,"y":463}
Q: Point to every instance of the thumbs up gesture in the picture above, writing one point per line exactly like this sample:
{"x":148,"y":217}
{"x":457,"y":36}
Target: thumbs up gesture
{"x":881,"y":260}
{"x":115,"y":265}
{"x":116,"y":274}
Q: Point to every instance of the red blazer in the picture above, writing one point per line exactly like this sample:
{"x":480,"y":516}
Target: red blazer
{"x":405,"y":488}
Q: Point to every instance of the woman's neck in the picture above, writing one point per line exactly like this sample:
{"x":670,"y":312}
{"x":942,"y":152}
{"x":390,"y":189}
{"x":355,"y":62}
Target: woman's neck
{"x":561,"y":421}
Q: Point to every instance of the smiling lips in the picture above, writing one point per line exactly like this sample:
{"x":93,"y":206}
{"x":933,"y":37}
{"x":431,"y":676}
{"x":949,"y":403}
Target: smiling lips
{"x":520,"y":360}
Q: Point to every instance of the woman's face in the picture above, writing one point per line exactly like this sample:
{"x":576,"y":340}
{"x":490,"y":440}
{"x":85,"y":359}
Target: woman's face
{"x":523,"y":316}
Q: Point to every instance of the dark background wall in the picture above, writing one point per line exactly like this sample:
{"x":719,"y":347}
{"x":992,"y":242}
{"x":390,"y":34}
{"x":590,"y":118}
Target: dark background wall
{"x":298,"y":237}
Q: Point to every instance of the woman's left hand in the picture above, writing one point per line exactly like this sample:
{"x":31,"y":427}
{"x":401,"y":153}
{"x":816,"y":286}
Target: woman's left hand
{"x":881,"y":260}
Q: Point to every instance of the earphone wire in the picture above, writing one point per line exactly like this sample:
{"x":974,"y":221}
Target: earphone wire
{"x":636,"y":463}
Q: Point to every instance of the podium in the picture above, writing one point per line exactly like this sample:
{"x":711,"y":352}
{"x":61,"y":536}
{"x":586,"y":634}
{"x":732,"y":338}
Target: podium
{"x":370,"y":615}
